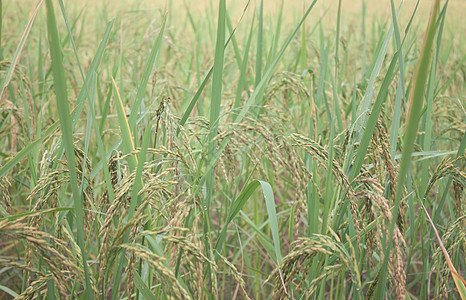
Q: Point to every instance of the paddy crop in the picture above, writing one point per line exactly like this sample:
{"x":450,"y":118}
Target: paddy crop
{"x":232,"y":150}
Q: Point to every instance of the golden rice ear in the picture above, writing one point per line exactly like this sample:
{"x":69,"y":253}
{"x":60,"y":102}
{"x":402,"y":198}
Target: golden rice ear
{"x":296,"y":264}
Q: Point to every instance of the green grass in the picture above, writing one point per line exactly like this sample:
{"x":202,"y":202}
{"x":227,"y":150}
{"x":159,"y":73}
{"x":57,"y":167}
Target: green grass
{"x":232,"y":150}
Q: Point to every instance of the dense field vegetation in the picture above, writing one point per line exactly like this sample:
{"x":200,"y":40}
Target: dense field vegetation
{"x":232,"y":149}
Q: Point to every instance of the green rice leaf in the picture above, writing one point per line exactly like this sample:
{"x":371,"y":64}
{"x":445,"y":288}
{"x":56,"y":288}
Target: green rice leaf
{"x":61,"y":95}
{"x":142,"y":287}
{"x":8,"y":291}
{"x":127,"y":139}
{"x":374,"y":116}
{"x":151,"y":60}
{"x":239,"y":203}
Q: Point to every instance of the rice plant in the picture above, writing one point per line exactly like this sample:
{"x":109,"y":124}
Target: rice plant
{"x":232,"y":149}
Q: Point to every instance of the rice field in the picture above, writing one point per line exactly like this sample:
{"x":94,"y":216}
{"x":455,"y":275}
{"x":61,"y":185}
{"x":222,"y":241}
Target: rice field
{"x":232,"y":149}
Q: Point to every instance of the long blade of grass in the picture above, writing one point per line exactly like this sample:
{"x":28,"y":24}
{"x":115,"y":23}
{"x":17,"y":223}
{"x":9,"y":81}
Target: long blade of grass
{"x":199,"y":91}
{"x":239,"y":203}
{"x":244,"y":65}
{"x":272,"y":213}
{"x":217,"y":84}
{"x":329,"y":195}
{"x":67,"y":23}
{"x":84,"y":92}
{"x":329,"y":189}
{"x":303,"y":50}
{"x":233,"y":40}
{"x":259,"y":44}
{"x":151,"y":60}
{"x":416,"y":100}
{"x":101,"y":148}
{"x":19,"y":49}
{"x":364,"y":106}
{"x":234,"y":209}
{"x":142,"y":287}
{"x":427,"y":125}
{"x":374,"y":116}
{"x":8,"y":291}
{"x":401,"y":89}
{"x":67,"y":133}
{"x":401,"y":85}
{"x":127,"y":139}
{"x":276,"y":37}
{"x":459,"y":281}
